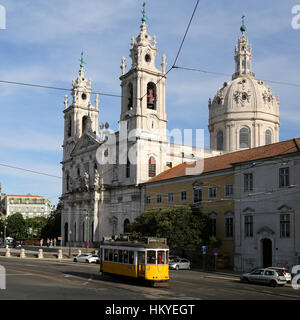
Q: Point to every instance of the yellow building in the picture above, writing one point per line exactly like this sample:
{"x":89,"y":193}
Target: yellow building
{"x":212,"y":191}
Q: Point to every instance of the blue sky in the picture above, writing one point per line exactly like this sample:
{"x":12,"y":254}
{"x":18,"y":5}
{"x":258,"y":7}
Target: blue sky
{"x":44,"y":39}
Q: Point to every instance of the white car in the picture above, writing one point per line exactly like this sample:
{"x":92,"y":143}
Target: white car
{"x":177,"y":264}
{"x":287,"y":275}
{"x":87,"y":258}
{"x":266,"y":276}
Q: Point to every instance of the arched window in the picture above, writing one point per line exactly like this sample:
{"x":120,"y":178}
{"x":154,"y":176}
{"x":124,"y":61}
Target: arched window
{"x":84,"y":123}
{"x":68,"y":182}
{"x":152,"y":167}
{"x":69,"y":127}
{"x":66,"y":232}
{"x":128,"y":168}
{"x":244,"y":138}
{"x":220,"y":140}
{"x":151,"y":96}
{"x":126,"y":223}
{"x":268,"y":137}
{"x":130,"y":96}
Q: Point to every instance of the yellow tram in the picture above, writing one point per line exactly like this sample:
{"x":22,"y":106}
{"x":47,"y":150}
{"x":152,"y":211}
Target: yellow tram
{"x":144,"y":258}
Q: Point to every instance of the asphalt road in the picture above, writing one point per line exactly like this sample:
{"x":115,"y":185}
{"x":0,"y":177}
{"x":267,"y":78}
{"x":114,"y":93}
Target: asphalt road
{"x":53,"y":280}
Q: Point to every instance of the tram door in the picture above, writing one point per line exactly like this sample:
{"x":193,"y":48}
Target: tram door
{"x":141,"y":263}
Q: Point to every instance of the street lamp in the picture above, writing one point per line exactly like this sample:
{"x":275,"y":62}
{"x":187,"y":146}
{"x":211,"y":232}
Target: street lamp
{"x":70,"y":232}
{"x":87,"y":217}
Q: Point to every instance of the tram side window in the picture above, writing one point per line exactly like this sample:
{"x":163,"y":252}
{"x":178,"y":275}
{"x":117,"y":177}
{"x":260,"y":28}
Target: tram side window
{"x":116,"y":255}
{"x":110,"y":255}
{"x":167,"y":260}
{"x":120,"y":256}
{"x":141,"y":257}
{"x":151,"y":257}
{"x":131,"y":257}
{"x":125,"y":256}
{"x":106,"y":255}
{"x":161,"y":257}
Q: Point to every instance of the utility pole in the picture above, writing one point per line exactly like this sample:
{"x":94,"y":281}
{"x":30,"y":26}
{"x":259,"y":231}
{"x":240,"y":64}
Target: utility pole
{"x":4,"y":232}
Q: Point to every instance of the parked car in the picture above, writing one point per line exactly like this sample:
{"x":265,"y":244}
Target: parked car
{"x":287,"y":275}
{"x":265,"y":276}
{"x":93,"y":259}
{"x":177,"y":264}
{"x":86,"y":257}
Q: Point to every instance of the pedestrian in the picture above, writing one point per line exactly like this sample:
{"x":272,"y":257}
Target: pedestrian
{"x":48,"y":242}
{"x":51,"y":243}
{"x":54,"y":242}
{"x":41,"y":242}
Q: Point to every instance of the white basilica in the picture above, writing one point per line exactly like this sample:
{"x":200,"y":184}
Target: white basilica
{"x":103,"y":171}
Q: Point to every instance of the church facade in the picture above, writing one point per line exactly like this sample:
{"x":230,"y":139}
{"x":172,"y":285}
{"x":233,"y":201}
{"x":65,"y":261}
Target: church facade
{"x":103,"y":171}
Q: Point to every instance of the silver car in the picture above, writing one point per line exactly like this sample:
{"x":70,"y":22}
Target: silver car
{"x":177,"y":264}
{"x":265,"y":276}
{"x":83,"y":257}
{"x":287,"y":275}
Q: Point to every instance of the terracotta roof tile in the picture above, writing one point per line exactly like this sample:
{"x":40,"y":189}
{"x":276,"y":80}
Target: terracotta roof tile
{"x":227,"y":160}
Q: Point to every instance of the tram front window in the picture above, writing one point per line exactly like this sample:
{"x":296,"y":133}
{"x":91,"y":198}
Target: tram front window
{"x":125,"y":256}
{"x":131,"y":257}
{"x":110,"y":255}
{"x":161,"y":257}
{"x":151,"y":257}
{"x":106,"y":254}
{"x":116,"y":255}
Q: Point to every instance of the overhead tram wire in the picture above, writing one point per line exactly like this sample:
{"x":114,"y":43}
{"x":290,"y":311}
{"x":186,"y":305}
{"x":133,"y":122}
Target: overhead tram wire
{"x":31,"y":171}
{"x":55,"y":88}
{"x":179,"y":50}
{"x":227,"y":74}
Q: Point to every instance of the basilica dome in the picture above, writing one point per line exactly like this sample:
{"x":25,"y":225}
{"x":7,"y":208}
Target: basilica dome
{"x":245,"y":112}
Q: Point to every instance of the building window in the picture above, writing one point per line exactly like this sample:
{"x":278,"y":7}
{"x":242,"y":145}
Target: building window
{"x":183,"y":196}
{"x":212,"y":192}
{"x":220,"y":140}
{"x":171,"y":197}
{"x":212,"y":225}
{"x":248,"y":182}
{"x":284,"y":226}
{"x":268,"y":137}
{"x":228,"y":190}
{"x":152,"y":167}
{"x":151,"y":96}
{"x":148,"y":200}
{"x":128,"y":169}
{"x":197,"y":195}
{"x":249,"y":226}
{"x":158,"y":198}
{"x":284,"y":177}
{"x":130,"y":98}
{"x":229,"y":227}
{"x":244,"y":138}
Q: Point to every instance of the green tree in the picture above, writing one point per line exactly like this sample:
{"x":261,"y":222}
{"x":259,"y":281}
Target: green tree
{"x":52,"y":228}
{"x":184,"y":227}
{"x":34,"y":226}
{"x":16,"y":226}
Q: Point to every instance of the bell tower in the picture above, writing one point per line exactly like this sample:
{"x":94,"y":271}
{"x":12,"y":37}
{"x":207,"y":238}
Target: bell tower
{"x":143,"y":104}
{"x":144,"y":86}
{"x":81,"y":114}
